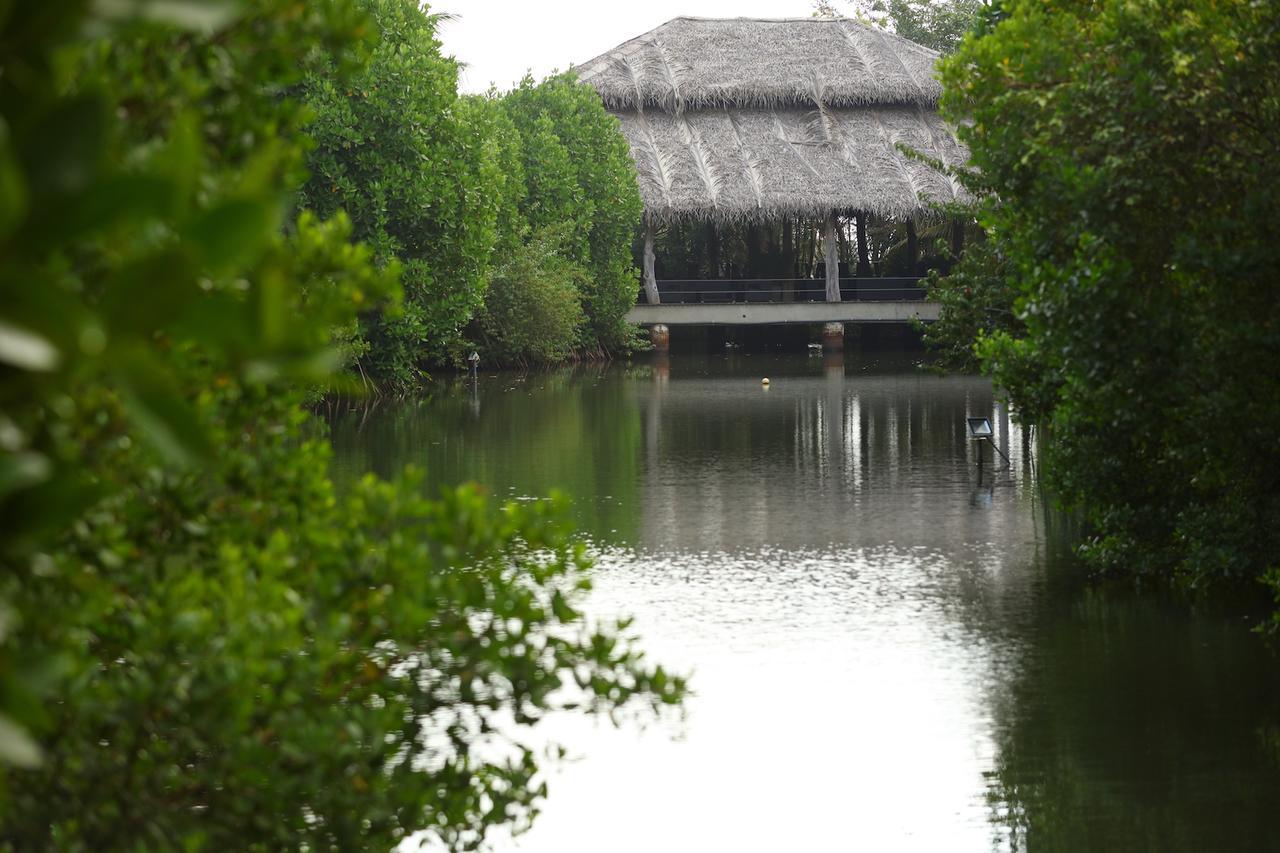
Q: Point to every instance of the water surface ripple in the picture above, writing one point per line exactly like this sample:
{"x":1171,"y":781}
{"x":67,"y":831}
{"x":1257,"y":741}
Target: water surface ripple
{"x":889,"y":649}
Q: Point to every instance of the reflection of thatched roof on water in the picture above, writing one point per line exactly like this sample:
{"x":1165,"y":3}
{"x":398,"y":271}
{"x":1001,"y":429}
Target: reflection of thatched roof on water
{"x":758,"y":118}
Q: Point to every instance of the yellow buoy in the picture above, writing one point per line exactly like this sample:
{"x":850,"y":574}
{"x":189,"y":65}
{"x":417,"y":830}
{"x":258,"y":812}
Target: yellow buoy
{"x":764,"y":381}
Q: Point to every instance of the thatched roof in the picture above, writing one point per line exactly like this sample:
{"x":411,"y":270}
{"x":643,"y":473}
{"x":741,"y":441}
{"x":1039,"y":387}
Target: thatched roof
{"x":757,"y":118}
{"x":762,"y":62}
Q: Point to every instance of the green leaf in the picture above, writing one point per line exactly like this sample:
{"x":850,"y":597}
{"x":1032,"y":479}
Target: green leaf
{"x":39,"y":304}
{"x":197,"y":15}
{"x":182,"y":161}
{"x":63,"y":153}
{"x":148,"y":294}
{"x":22,"y":471}
{"x":233,"y":233}
{"x":273,"y":307}
{"x":221,"y":321}
{"x":25,"y":349}
{"x":310,"y":366}
{"x":45,"y":507}
{"x":16,"y":746}
{"x":13,"y":186}
{"x":155,"y":403}
{"x":115,"y":201}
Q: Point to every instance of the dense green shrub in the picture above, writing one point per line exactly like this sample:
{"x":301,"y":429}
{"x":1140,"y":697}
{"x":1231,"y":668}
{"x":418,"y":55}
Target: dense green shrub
{"x":416,"y":171}
{"x":1131,"y":147}
{"x":533,"y":310}
{"x":489,"y":118}
{"x":453,"y":186}
{"x":202,"y":644}
{"x":976,"y":296}
{"x":938,"y":24}
{"x":579,"y":172}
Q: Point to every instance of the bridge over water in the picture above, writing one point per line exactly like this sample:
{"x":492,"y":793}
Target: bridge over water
{"x":729,"y":302}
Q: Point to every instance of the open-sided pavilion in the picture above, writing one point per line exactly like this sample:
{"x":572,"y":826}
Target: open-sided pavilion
{"x":743,"y":120}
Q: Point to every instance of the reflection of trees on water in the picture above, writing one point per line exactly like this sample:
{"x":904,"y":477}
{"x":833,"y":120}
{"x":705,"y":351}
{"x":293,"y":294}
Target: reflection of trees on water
{"x":519,"y":436}
{"x":824,"y":458}
{"x":1108,"y":721}
{"x":1132,"y":725}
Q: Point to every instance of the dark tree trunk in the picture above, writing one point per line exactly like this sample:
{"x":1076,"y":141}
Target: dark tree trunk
{"x":864,"y":259}
{"x":957,"y":239}
{"x":713,"y":250}
{"x":913,"y":249}
{"x":753,"y":251}
{"x":788,"y":250}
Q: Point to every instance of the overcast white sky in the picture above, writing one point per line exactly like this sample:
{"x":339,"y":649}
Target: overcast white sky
{"x":498,"y":40}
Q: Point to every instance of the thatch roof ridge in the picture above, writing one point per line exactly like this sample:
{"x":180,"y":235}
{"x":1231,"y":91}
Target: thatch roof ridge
{"x":693,"y":62}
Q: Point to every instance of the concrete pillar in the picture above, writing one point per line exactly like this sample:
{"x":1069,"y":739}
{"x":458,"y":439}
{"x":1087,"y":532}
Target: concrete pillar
{"x":661,"y":364}
{"x":832,"y":337}
{"x":660,"y":335}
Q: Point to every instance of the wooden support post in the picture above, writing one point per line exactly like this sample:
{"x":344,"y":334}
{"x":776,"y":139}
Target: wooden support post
{"x":650,"y":280}
{"x":833,"y":258}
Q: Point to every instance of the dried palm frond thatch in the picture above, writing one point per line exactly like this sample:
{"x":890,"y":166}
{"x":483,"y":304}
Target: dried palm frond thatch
{"x":725,"y":62}
{"x":748,"y":119}
{"x":742,"y":164}
{"x":752,"y":166}
{"x":706,"y":170}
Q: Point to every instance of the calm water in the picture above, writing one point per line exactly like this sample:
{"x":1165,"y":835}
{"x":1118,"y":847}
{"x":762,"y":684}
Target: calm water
{"x":889,"y":649}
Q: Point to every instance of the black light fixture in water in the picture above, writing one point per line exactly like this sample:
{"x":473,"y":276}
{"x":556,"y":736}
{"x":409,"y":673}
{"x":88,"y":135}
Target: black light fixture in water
{"x":980,"y":430}
{"x":980,"y":427}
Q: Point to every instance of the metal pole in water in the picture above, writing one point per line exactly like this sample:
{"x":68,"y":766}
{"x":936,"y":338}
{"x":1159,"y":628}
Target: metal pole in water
{"x":1001,"y":452}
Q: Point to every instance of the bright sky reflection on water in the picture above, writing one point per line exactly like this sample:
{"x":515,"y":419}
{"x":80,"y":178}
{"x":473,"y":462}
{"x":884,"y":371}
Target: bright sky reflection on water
{"x":886,"y":651}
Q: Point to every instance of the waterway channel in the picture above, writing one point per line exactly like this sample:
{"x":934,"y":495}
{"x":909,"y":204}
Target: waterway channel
{"x":890,"y":647}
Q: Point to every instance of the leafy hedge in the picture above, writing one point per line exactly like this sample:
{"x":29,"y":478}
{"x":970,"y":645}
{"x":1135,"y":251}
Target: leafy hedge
{"x":453,"y":187}
{"x":1131,"y":151}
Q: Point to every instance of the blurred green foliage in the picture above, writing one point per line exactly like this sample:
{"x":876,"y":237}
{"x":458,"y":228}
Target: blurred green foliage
{"x":202,"y":644}
{"x":1131,"y":147}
